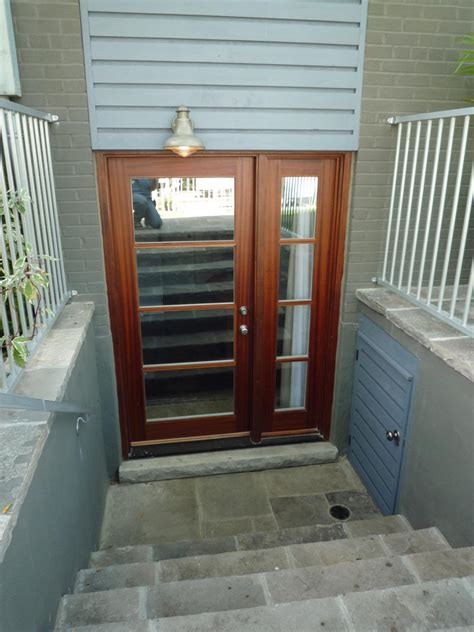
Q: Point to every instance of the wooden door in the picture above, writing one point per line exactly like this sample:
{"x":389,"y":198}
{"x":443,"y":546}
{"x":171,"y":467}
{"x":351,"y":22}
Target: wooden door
{"x":224,"y":318}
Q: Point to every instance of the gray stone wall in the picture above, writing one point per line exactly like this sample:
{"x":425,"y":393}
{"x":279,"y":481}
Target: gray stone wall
{"x":49,"y":46}
{"x":411,"y":52}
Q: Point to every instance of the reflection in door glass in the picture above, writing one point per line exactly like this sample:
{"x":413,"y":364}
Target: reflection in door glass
{"x":298,"y":207}
{"x":183,"y":209}
{"x":296,"y":271}
{"x":189,"y":393}
{"x":293,"y":330}
{"x":290,"y":385}
{"x":191,"y":336}
{"x":185,"y":276}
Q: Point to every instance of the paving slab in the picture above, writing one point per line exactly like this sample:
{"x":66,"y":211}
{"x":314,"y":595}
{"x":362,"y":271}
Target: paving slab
{"x":298,"y":511}
{"x":310,"y":533}
{"x":121,"y":555}
{"x":187,"y":548}
{"x":359,"y":503}
{"x":204,"y":595}
{"x":307,"y":480}
{"x":150,"y":513}
{"x":375,"y":526}
{"x":101,"y":607}
{"x":329,"y":581}
{"x":225,"y":564}
{"x":443,"y":564}
{"x":420,"y":607}
{"x":227,"y":461}
{"x":325,"y":614}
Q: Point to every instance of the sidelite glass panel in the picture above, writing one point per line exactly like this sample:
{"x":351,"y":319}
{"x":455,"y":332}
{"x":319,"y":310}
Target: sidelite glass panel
{"x":291,"y":385}
{"x":296,"y":271}
{"x":293,"y":330}
{"x":298,"y":207}
{"x":185,"y":276}
{"x":182,"y":209}
{"x":188,"y":393}
{"x":193,"y":336}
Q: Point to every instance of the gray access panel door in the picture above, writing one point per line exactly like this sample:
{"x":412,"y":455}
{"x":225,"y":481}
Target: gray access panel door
{"x":384,"y":378}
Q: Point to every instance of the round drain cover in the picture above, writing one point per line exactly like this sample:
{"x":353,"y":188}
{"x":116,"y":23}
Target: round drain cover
{"x":339,"y":512}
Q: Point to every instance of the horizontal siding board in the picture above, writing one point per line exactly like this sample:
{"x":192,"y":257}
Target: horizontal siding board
{"x":274,"y":9}
{"x":219,"y":52}
{"x":283,"y":75}
{"x":164,"y":96}
{"x":135,"y":139}
{"x":225,"y":119}
{"x":221,"y":75}
{"x":183,"y":27}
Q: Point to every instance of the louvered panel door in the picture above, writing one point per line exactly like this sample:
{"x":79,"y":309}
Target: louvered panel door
{"x":381,"y":400}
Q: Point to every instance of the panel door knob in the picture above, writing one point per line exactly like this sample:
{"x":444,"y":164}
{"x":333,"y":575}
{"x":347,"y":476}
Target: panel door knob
{"x":393,"y":435}
{"x":244,"y":330}
{"x":244,"y":310}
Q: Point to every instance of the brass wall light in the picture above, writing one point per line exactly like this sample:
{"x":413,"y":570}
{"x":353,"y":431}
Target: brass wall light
{"x":183,"y":140}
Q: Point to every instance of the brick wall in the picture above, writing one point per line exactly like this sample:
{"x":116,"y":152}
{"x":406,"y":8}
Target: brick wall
{"x":411,"y":52}
{"x":49,"y":46}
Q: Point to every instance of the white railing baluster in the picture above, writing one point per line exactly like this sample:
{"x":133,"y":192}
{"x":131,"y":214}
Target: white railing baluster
{"x":462,"y":244}
{"x":442,"y":201}
{"x":392,"y":202}
{"x":420,"y":203}
{"x":435,"y":247}
{"x":26,"y":165}
{"x":430,"y":207}
{"x":454,"y":211}
{"x":410,"y":202}
{"x":400,"y":202}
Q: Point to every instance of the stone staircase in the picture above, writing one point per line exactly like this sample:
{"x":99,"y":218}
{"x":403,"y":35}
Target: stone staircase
{"x":372,"y":574}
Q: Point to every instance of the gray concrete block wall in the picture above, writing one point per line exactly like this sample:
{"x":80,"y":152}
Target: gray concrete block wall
{"x":50,"y":54}
{"x":411,"y":52}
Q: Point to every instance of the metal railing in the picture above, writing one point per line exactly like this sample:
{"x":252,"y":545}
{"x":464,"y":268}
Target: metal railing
{"x":430,"y":237}
{"x":26,"y":174}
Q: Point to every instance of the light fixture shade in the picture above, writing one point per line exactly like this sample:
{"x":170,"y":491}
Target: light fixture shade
{"x":183,"y":141}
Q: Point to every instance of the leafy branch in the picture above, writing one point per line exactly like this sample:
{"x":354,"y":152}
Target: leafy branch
{"x":27,"y":278}
{"x":465,"y":65}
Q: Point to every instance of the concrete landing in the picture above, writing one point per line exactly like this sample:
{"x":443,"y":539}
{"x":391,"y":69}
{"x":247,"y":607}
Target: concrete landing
{"x":226,"y":462}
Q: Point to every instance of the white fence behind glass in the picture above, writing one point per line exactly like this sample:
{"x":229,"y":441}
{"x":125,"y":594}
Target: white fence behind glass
{"x":430,"y":234}
{"x":26,"y":171}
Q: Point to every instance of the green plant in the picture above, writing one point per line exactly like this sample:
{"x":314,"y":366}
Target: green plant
{"x":465,"y":65}
{"x":22,"y":276}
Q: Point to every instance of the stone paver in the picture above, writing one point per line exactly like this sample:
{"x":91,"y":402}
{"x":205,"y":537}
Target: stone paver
{"x":359,"y":503}
{"x":297,"y":511}
{"x":306,"y":480}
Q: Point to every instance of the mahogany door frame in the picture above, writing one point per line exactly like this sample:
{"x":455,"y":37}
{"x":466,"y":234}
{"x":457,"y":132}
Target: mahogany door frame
{"x":328,"y":324}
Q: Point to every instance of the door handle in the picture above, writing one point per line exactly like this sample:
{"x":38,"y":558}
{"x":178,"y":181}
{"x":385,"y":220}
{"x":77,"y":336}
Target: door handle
{"x":393,"y":435}
{"x":244,"y":330}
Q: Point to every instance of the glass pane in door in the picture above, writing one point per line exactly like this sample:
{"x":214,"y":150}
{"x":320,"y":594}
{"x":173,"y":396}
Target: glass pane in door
{"x":197,"y":335}
{"x":296,"y":271}
{"x":293,"y":330}
{"x":291,"y":385}
{"x":188,"y":393}
{"x":184,"y":276}
{"x":183,"y":209}
{"x":298,"y":207}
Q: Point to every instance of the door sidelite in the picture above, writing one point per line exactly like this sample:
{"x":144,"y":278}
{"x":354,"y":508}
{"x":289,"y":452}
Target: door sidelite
{"x":225,"y":272}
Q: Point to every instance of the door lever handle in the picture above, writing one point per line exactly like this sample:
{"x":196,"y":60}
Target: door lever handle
{"x":244,"y":330}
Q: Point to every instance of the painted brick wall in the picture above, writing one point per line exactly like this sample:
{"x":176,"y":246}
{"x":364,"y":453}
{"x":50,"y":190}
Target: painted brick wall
{"x":49,"y":46}
{"x":411,"y":52}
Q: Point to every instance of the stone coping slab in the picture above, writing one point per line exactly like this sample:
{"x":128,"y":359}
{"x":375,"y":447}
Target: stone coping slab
{"x":226,"y":462}
{"x":446,"y":342}
{"x":23,"y":433}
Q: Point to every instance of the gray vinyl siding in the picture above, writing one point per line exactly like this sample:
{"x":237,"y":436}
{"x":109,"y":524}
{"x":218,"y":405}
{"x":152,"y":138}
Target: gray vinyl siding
{"x":256,"y":75}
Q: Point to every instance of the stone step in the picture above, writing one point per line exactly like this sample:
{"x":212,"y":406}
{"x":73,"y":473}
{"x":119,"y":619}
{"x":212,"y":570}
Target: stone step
{"x":226,"y":461}
{"x":248,"y":541}
{"x":217,"y":594}
{"x":259,"y":561}
{"x":445,"y":604}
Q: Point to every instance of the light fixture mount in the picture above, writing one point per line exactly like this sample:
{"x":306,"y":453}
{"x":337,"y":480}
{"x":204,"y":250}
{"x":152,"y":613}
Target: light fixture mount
{"x":183,"y":141}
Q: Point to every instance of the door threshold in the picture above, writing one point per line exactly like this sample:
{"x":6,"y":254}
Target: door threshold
{"x":176,"y":447}
{"x":217,"y":462}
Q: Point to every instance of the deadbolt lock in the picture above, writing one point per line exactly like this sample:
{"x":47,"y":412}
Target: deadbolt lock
{"x":244,"y":310}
